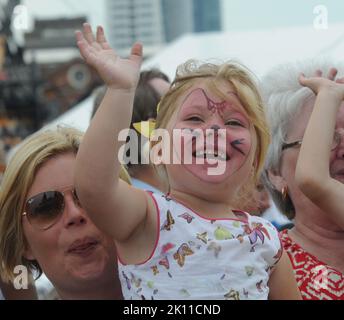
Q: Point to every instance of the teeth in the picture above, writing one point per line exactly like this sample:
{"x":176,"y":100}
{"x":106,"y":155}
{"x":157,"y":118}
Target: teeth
{"x":211,"y":155}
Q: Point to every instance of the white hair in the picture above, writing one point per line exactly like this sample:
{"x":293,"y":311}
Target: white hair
{"x":284,"y":99}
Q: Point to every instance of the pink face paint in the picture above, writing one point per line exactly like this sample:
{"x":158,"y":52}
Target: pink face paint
{"x":200,"y":98}
{"x":231,"y":133}
{"x":213,"y":106}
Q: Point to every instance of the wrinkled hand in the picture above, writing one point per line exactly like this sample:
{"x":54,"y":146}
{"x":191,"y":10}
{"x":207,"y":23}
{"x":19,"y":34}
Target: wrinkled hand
{"x":115,"y":71}
{"x":319,"y":83}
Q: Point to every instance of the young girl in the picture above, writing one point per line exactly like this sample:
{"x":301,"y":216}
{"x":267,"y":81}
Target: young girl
{"x":323,"y":144}
{"x":191,"y":243}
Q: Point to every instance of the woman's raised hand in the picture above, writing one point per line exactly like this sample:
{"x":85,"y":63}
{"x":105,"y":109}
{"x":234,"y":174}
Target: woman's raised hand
{"x":116,"y":72}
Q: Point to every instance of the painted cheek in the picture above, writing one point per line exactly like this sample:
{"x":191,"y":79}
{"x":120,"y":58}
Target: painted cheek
{"x":239,"y":141}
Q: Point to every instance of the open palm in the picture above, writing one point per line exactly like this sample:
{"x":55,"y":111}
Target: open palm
{"x":115,"y":71}
{"x":317,"y":83}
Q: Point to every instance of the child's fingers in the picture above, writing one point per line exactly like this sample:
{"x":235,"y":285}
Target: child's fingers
{"x":302,"y":79}
{"x":332,"y":74}
{"x":136,"y":52}
{"x":79,"y":36}
{"x":101,"y":39}
{"x":87,"y":52}
{"x":340,"y":80}
{"x":88,"y":34}
{"x":318,"y":73}
{"x":81,"y":43}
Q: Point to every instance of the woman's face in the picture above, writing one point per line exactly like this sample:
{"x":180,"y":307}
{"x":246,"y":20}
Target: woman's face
{"x":289,"y":156}
{"x":73,"y":251}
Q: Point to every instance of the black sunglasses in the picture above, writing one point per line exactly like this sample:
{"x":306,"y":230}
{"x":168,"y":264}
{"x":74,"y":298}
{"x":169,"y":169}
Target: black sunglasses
{"x":46,"y":208}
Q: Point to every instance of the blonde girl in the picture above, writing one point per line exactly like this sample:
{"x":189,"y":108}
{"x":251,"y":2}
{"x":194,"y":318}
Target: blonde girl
{"x":190,"y":243}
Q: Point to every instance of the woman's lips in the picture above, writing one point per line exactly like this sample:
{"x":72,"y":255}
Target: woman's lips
{"x":337,"y":173}
{"x":83,"y":246}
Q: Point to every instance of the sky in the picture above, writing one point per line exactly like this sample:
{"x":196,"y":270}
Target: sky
{"x":267,"y":14}
{"x":236,"y":14}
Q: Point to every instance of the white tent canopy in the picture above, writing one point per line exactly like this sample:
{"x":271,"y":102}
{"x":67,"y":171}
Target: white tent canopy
{"x":258,"y":50}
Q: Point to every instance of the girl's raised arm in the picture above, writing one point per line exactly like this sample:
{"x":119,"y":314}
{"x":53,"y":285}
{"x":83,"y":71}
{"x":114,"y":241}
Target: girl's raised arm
{"x":114,"y":206}
{"x":313,"y":170}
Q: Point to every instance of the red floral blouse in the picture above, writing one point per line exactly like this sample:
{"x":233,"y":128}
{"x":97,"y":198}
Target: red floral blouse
{"x":316,"y":280}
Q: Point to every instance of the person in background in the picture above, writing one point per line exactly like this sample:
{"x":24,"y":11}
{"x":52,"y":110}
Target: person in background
{"x":315,"y":243}
{"x":260,"y":204}
{"x":152,"y":85}
{"x":323,"y":140}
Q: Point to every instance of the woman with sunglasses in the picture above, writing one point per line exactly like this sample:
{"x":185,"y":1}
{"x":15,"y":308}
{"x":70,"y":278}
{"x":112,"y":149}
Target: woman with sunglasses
{"x":315,"y":243}
{"x":44,"y":228}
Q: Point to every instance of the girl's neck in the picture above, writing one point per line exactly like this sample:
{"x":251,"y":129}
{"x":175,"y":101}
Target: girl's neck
{"x":319,"y":236}
{"x":207,"y":208}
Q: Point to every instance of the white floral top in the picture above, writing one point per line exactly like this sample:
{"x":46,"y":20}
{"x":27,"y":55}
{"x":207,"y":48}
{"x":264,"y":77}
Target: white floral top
{"x":197,"y":258}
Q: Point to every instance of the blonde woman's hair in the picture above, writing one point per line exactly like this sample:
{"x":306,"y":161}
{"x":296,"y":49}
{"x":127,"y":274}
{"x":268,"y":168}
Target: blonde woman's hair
{"x":18,"y":178}
{"x":245,"y":86}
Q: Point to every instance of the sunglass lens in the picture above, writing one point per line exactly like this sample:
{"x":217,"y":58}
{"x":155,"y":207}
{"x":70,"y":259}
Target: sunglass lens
{"x":45,"y":208}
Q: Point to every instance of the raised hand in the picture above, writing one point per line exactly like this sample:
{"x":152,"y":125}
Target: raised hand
{"x":319,"y":83}
{"x":115,"y":71}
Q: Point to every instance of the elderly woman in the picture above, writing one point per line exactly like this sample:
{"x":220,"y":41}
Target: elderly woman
{"x":44,"y":228}
{"x":315,"y":243}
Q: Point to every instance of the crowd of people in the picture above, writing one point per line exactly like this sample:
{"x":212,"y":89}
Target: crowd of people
{"x":99,"y":229}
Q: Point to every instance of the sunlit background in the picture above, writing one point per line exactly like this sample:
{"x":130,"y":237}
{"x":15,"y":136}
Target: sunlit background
{"x":43,"y":81}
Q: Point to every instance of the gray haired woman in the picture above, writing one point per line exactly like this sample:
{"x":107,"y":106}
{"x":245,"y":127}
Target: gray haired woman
{"x":315,"y":243}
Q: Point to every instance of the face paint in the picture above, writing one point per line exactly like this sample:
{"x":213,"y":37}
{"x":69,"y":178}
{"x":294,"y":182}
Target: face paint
{"x":225,"y":122}
{"x":235,"y":144}
{"x":213,"y":106}
{"x":215,"y":127}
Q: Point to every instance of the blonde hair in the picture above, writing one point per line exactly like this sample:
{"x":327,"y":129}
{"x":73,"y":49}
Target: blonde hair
{"x":18,"y":178}
{"x":246,"y":89}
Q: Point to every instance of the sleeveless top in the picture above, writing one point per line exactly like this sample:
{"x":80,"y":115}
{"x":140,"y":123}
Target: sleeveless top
{"x":198,"y":258}
{"x":315,"y":279}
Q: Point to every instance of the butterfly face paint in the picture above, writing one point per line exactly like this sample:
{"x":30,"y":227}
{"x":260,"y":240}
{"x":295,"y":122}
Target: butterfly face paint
{"x":213,"y":130}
